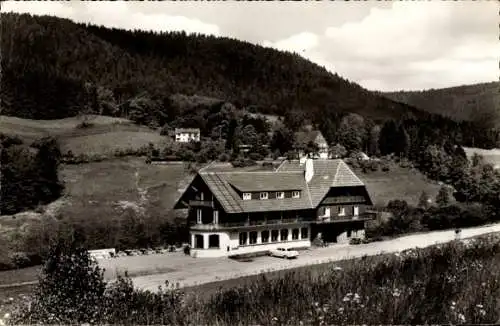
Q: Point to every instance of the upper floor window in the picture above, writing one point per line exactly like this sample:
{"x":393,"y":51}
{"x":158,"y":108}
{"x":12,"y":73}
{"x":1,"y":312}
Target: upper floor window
{"x":263,"y":195}
{"x":280,"y":195}
{"x":202,"y":197}
{"x":216,"y":217}
{"x":296,"y":194}
{"x":247,"y":196}
{"x":341,"y":211}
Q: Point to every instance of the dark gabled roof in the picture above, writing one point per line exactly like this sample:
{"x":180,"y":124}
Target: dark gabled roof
{"x":266,"y":181}
{"x":225,"y":185}
{"x":327,"y":174}
{"x":304,"y":137}
{"x":220,"y":185}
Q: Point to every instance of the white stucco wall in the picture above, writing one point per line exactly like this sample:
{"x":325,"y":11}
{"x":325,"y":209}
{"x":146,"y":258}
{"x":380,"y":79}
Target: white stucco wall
{"x":232,"y":240}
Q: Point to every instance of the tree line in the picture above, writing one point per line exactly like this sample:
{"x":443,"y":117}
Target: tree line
{"x":29,"y":173}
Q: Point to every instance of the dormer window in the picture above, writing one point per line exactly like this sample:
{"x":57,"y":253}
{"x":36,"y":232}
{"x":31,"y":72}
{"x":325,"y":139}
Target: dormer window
{"x":280,"y":195}
{"x":247,"y":196}
{"x":263,"y":195}
{"x":296,"y":194}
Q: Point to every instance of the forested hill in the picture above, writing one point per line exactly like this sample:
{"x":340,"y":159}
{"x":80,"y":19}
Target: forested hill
{"x":55,"y":68}
{"x":478,"y":102}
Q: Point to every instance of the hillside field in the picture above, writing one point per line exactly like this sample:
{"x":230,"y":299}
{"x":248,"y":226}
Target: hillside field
{"x":491,"y":156}
{"x":398,"y":183}
{"x":105,"y":136}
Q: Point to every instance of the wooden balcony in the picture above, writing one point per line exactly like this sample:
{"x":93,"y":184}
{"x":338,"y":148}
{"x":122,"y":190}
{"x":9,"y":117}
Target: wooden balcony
{"x":201,"y":203}
{"x":347,"y":218}
{"x":248,"y":224}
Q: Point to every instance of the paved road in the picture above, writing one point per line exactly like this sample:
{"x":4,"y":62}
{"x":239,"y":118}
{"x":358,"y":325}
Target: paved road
{"x":205,"y":270}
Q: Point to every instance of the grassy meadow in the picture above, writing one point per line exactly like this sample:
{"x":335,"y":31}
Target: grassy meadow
{"x":104,"y":136}
{"x":398,"y":183}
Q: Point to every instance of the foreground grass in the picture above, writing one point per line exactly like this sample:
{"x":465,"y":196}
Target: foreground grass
{"x":454,"y":283}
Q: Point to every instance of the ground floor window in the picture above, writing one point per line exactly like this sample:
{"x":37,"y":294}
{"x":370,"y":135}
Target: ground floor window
{"x":213,"y":241}
{"x":295,"y":234}
{"x":304,"y":233}
{"x":284,"y":234}
{"x":198,"y":241}
{"x":265,"y":236}
{"x":243,"y":238}
{"x":253,"y":237}
{"x":274,"y":235}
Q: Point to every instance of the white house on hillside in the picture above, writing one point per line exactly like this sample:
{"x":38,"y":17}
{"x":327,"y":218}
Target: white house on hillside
{"x":185,"y":135}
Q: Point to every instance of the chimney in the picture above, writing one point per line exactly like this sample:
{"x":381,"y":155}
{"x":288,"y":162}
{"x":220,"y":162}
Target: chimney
{"x":309,"y":171}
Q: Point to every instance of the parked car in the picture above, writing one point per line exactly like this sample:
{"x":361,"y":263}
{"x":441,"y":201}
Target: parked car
{"x":284,"y":253}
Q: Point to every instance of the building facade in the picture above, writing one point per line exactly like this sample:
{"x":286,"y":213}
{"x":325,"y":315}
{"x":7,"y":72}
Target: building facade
{"x":233,"y":213}
{"x":185,"y":135}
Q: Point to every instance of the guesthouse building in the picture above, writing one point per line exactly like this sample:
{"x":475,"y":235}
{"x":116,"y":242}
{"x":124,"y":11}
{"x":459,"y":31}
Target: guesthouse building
{"x":241,"y":212}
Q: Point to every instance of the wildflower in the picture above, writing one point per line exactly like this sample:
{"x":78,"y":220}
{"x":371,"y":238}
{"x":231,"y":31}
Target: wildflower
{"x":482,"y":312}
{"x":396,"y":293}
{"x":275,"y":318}
{"x":341,"y":309}
{"x":461,"y":317}
{"x":479,"y":306}
{"x":346,"y":299}
{"x":453,"y":303}
{"x":483,"y":284}
{"x":316,"y":304}
{"x":337,"y":268}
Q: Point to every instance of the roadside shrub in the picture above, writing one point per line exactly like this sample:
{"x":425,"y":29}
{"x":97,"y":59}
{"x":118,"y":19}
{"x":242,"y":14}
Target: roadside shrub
{"x":70,"y":289}
{"x":255,"y":156}
{"x":224,"y":157}
{"x":20,"y":259}
{"x":84,"y":125}
{"x":243,"y":162}
{"x":187,"y":250}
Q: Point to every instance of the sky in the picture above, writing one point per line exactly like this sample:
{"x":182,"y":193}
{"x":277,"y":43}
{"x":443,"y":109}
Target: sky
{"x":381,"y":45}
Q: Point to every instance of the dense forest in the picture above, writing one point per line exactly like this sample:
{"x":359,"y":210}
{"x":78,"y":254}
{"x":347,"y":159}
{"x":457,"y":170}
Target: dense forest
{"x":478,"y":102}
{"x":54,"y":68}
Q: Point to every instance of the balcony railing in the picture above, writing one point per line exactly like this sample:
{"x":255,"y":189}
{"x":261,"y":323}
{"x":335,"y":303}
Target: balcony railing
{"x":201,"y":203}
{"x":230,"y":225}
{"x":346,"y":218}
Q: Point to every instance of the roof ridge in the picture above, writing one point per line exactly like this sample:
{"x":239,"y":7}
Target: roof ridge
{"x":279,"y":167}
{"x":352,"y":173}
{"x":336,"y":174}
{"x":245,"y":172}
{"x":206,"y":167}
